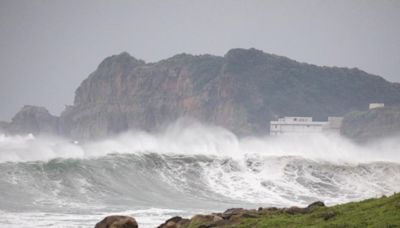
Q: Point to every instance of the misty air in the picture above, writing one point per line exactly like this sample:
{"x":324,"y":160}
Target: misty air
{"x":194,"y":114}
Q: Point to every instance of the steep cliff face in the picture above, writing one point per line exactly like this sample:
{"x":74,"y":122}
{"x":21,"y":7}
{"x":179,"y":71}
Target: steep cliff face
{"x":141,"y":96}
{"x":241,"y":91}
{"x":34,"y":120}
{"x":372,"y":124}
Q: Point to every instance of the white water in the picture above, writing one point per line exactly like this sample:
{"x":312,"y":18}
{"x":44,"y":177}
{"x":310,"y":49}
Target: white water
{"x":186,"y":169}
{"x":196,"y":139}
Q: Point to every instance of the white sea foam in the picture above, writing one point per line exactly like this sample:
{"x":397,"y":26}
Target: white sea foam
{"x":185,"y":163}
{"x":148,"y":218}
{"x":194,"y":138}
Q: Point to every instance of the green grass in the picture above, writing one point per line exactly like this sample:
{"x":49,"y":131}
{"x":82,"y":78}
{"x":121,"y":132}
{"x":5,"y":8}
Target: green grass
{"x":381,"y":212}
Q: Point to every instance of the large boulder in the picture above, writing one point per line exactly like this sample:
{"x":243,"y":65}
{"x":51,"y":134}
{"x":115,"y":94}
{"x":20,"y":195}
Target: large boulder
{"x":117,"y":221}
{"x":175,"y":222}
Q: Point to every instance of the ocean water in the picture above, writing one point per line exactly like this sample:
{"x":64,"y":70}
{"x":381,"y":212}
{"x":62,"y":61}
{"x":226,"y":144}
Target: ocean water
{"x":183,"y":170}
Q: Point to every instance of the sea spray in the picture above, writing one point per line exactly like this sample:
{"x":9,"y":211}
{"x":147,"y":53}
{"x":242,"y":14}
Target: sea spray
{"x":198,"y":139}
{"x":185,"y":169}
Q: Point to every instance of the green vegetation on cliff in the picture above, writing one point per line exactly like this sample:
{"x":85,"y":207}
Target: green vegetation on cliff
{"x":372,"y":124}
{"x":241,"y":91}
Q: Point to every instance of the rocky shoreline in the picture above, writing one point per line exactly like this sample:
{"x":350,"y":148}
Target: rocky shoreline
{"x":229,"y":217}
{"x":382,"y":212}
{"x":233,"y":216}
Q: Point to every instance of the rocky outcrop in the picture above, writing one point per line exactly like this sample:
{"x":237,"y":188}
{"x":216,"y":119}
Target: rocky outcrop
{"x":241,"y":91}
{"x":117,"y":221}
{"x":175,"y":222}
{"x":372,"y":124}
{"x":144,"y":96}
{"x":234,"y":216}
{"x":32,"y":120}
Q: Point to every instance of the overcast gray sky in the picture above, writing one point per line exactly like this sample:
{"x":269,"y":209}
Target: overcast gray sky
{"x":48,"y":47}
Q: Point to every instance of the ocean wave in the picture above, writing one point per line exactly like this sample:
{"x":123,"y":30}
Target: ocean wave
{"x":192,"y":168}
{"x":199,"y":139}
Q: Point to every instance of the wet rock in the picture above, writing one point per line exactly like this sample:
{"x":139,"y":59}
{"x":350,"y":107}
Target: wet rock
{"x":175,"y":222}
{"x":170,"y":223}
{"x":268,"y":210}
{"x":182,"y":223}
{"x":315,"y":204}
{"x":231,"y":212}
{"x":234,"y":216}
{"x":301,"y":210}
{"x":296,"y":210}
{"x":117,"y":221}
{"x":205,"y":218}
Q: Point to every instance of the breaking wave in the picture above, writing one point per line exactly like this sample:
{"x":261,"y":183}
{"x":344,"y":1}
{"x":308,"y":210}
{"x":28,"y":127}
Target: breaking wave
{"x":189,"y":168}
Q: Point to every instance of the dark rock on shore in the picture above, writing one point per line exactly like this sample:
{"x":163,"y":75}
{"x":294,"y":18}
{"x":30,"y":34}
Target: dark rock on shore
{"x":174,"y":222}
{"x":117,"y":221}
{"x":233,"y":216}
{"x":231,"y":212}
{"x":304,"y":210}
{"x":316,"y":204}
{"x":296,"y":210}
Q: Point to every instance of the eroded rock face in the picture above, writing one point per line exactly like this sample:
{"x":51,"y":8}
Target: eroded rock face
{"x":241,"y":91}
{"x":117,"y":221}
{"x":33,"y":119}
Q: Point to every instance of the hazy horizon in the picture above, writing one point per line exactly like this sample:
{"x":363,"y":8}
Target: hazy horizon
{"x":49,"y":47}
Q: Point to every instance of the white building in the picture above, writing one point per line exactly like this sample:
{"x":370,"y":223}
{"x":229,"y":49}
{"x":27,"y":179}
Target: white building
{"x":303,"y":125}
{"x":376,"y":105}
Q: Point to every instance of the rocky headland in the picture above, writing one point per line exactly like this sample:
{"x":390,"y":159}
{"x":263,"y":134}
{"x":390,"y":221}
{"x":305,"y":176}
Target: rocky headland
{"x":241,"y":91}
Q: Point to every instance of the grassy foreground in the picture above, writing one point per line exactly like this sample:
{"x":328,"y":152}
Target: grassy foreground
{"x":379,"y":212}
{"x":382,"y":212}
